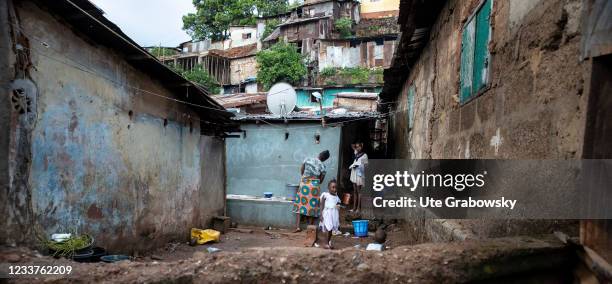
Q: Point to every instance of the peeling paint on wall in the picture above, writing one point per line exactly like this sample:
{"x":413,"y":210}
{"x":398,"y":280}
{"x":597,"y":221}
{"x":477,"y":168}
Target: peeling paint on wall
{"x":496,"y":141}
{"x":123,"y":166}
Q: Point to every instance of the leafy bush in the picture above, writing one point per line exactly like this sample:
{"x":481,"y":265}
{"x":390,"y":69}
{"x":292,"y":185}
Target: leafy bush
{"x":281,"y":62}
{"x":328,"y":71}
{"x":344,"y":26}
{"x":162,"y":51}
{"x":213,"y":18}
{"x":200,"y":76}
{"x":357,"y":75}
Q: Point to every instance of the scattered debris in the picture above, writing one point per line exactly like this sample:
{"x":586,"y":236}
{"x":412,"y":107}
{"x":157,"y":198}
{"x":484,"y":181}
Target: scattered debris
{"x":246,"y":231}
{"x":205,"y":236}
{"x":375,"y":247}
{"x":221,"y":223}
{"x":114,"y":258}
{"x":363,"y":267}
{"x":212,"y":249}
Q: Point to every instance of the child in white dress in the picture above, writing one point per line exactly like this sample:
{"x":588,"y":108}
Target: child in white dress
{"x":330,"y":216}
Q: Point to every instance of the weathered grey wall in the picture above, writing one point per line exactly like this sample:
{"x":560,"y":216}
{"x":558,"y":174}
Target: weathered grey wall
{"x":534,"y":109}
{"x":5,"y":77}
{"x":212,"y":185}
{"x":103,"y":160}
{"x":265,"y":161}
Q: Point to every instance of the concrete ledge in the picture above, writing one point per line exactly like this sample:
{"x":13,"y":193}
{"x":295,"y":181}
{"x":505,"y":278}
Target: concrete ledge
{"x":259,"y":211}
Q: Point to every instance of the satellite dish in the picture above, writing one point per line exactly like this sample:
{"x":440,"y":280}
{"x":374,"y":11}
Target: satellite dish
{"x":281,"y":99}
{"x":317,"y":95}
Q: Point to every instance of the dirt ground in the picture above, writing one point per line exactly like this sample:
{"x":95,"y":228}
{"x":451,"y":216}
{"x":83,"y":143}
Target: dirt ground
{"x":424,"y":263}
{"x":255,"y":237}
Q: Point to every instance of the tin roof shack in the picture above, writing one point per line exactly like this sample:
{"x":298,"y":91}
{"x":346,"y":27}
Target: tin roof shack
{"x":314,"y":20}
{"x":102,"y":137}
{"x":490,"y":79}
{"x":372,"y":9}
{"x":214,"y":56}
{"x":244,"y":103}
{"x":356,"y":101}
{"x":306,"y":99}
{"x":269,"y":152}
{"x":367,"y":52}
{"x":242,"y":68}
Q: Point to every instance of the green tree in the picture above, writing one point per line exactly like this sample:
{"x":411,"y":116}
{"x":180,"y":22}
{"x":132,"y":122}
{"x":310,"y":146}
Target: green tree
{"x":162,"y":51}
{"x":200,"y":76}
{"x":213,"y":17}
{"x":269,"y":28}
{"x":266,"y":8}
{"x":281,"y":62}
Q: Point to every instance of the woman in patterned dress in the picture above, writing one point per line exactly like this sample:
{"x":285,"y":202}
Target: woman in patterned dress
{"x":307,"y":198}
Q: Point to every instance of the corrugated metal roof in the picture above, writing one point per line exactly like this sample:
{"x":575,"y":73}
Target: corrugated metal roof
{"x":302,"y":20}
{"x":236,"y":52}
{"x":308,"y":116}
{"x":241,"y":99}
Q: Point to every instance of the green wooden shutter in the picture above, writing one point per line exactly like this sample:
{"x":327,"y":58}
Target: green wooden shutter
{"x":475,"y":53}
{"x":467,"y":61}
{"x":481,"y":50}
{"x":410,"y":108}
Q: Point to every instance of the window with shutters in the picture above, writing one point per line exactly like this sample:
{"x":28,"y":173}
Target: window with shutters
{"x":475,"y":57}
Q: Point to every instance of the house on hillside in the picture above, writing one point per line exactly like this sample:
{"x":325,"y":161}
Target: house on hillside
{"x":374,"y":9}
{"x":231,"y":62}
{"x":99,"y":136}
{"x":337,"y":62}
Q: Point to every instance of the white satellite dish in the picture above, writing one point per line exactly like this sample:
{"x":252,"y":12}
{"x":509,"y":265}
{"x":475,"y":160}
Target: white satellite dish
{"x":281,"y":99}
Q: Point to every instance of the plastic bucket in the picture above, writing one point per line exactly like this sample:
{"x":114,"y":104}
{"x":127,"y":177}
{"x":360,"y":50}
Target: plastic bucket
{"x":360,"y":227}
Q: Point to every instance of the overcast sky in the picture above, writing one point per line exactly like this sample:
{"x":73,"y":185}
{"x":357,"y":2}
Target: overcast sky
{"x":149,"y":22}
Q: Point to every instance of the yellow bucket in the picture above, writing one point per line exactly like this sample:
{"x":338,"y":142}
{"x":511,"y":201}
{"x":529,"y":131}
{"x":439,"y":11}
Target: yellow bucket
{"x":205,"y":236}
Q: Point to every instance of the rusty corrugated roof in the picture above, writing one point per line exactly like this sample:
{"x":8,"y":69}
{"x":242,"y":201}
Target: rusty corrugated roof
{"x":236,"y":52}
{"x":241,"y":99}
